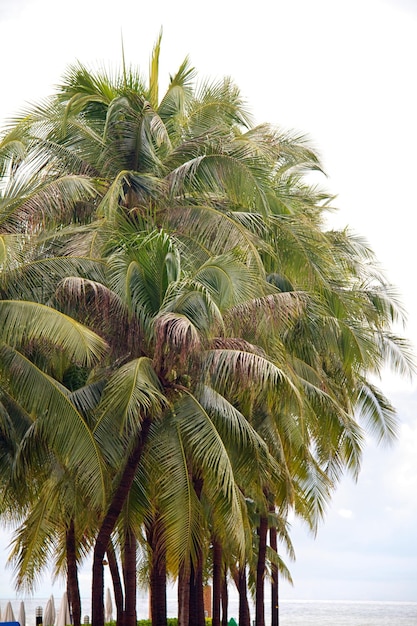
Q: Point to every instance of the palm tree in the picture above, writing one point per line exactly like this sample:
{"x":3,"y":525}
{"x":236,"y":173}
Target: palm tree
{"x":39,"y":347}
{"x":174,"y":334}
{"x":32,"y":405}
{"x":198,"y":251}
{"x":144,"y":185}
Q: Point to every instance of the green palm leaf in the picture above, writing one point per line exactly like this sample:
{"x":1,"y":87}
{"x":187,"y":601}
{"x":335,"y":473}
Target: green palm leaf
{"x":57,"y":420}
{"x":208,"y":455}
{"x":249,"y":370}
{"x":21,"y":322}
{"x":132,"y":393}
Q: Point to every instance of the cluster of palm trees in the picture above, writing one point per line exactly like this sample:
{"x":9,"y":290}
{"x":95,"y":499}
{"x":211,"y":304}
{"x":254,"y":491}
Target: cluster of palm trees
{"x":187,"y":354}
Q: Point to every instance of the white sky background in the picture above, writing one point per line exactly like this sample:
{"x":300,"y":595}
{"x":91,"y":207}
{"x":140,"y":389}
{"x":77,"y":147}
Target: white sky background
{"x":344,"y":73}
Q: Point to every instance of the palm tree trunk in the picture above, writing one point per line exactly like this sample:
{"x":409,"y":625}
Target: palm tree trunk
{"x":197,"y":617}
{"x":244,"y":612}
{"x":109,"y":522}
{"x":129,"y":575}
{"x":117,"y":583}
{"x":159,"y":592}
{"x":260,"y":572}
{"x":225,"y":598}
{"x":217,"y":581}
{"x":158,"y":575}
{"x":183,"y":596}
{"x":72,"y":575}
{"x":275,"y":581}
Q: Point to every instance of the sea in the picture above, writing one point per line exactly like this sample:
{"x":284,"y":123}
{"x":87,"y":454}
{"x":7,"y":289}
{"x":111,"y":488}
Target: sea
{"x":292,"y":612}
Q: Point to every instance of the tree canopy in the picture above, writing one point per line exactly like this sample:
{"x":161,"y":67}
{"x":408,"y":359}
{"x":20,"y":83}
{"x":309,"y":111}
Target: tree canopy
{"x":187,"y":352}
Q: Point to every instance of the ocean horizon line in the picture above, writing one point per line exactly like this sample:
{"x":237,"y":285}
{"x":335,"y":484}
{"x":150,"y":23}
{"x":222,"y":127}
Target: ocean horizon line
{"x":143,"y":595}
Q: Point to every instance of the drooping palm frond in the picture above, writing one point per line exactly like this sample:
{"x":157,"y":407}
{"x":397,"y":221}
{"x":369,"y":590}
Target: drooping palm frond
{"x":136,"y":135}
{"x":208,"y":457}
{"x":28,"y":321}
{"x":175,"y":336}
{"x":397,"y":354}
{"x":220,"y":175}
{"x":276,"y":312}
{"x":253,"y":465}
{"x":234,"y":427}
{"x":48,"y":200}
{"x":377,"y":413}
{"x":57,"y":420}
{"x":34,"y":543}
{"x":304,"y":256}
{"x":193,"y":300}
{"x":12,"y":247}
{"x":44,"y":529}
{"x":12,"y":152}
{"x":277,"y":560}
{"x":59,"y":141}
{"x":132,"y":392}
{"x":14,"y":424}
{"x":26,"y":280}
{"x":207,"y":231}
{"x":313,"y":490}
{"x":176,"y":499}
{"x":246,"y":369}
{"x":229,"y":279}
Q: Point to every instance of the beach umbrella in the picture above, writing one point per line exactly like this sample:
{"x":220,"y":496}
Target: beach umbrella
{"x":21,"y":618}
{"x":109,"y":606}
{"x":64,"y":617}
{"x":49,"y":613}
{"x":53,"y":607}
{"x":8,"y":613}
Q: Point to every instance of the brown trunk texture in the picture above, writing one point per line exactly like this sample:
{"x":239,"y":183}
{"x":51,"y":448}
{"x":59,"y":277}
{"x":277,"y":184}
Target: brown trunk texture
{"x":158,"y":593}
{"x":244,"y":612}
{"x":109,"y":522}
{"x":225,"y":598}
{"x":273,"y":540}
{"x":217,"y":582}
{"x":117,"y":584}
{"x":197,"y":617}
{"x":129,"y":575}
{"x":158,"y":574}
{"x":260,"y":572}
{"x":72,"y":575}
{"x":183,"y":597}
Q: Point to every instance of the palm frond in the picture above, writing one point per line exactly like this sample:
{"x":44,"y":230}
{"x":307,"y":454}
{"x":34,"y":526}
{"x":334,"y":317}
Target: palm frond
{"x":229,"y":279}
{"x":246,"y":369}
{"x":132,"y":393}
{"x":153,"y":94}
{"x":58,"y":423}
{"x":21,"y":322}
{"x":181,"y":511}
{"x":377,"y":412}
{"x":171,"y":108}
{"x":207,"y":454}
{"x":208,"y":231}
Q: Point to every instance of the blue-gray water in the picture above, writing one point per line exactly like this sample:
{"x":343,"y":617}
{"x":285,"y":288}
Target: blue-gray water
{"x":348,"y":614}
{"x":292,"y":613}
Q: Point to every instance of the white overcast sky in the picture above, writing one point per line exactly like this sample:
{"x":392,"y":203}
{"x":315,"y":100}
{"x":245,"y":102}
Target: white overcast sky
{"x":344,"y":73}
